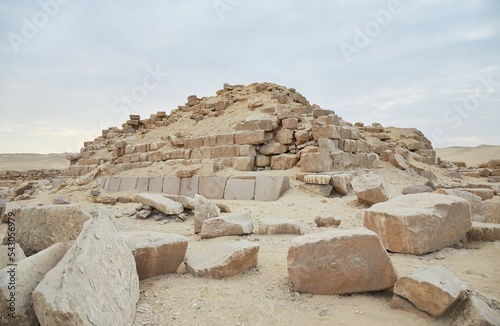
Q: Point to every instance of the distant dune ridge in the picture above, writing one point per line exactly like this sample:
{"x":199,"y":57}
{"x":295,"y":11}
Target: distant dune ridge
{"x":469,"y":155}
{"x":31,"y":161}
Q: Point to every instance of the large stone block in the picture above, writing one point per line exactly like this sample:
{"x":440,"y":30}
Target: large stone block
{"x":284,"y":161}
{"x":164,"y":205}
{"x":369,"y":189}
{"x":273,"y":148}
{"x":226,"y":225}
{"x":203,"y":209}
{"x":255,"y":137}
{"x":270,"y":188}
{"x":28,"y":273}
{"x":155,"y":184}
{"x":340,"y":262}
{"x":475,"y":202}
{"x":326,"y":131}
{"x":128,"y":184}
{"x":492,"y":211}
{"x":114,"y":184}
{"x":223,"y":260}
{"x":212,"y":187}
{"x":95,"y":283}
{"x":316,"y":162}
{"x":271,"y":226}
{"x":484,"y":193}
{"x":342,"y":183}
{"x":420,"y":223}
{"x":432,"y":290}
{"x":244,"y":163}
{"x":156,"y":253}
{"x":189,"y":186}
{"x":171,"y":185}
{"x":40,"y":227}
{"x":239,"y":189}
{"x":259,"y":122}
{"x":142,"y":184}
{"x":472,"y":310}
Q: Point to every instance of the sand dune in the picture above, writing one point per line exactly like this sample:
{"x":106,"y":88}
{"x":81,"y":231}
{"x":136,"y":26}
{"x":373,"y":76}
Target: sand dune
{"x":470,"y":155}
{"x":24,"y":162}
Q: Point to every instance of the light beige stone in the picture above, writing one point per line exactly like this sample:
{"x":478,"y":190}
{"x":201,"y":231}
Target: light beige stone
{"x":11,"y":254}
{"x":484,"y":193}
{"x":342,"y":183}
{"x":259,"y":122}
{"x":474,"y":311}
{"x":156,"y":253}
{"x":477,"y":207}
{"x":284,"y":161}
{"x":420,"y":223}
{"x":185,"y":201}
{"x":28,"y":273}
{"x":319,"y":179}
{"x":316,"y":162}
{"x":40,"y":227}
{"x":171,"y":185}
{"x":203,"y":209}
{"x":273,"y":148}
{"x":432,"y":290}
{"x":212,"y":187}
{"x":284,"y":136}
{"x":398,"y":161}
{"x":223,"y":260}
{"x":189,"y":186}
{"x":95,"y":282}
{"x":270,"y":188}
{"x":269,"y":226}
{"x":226,"y":225}
{"x":244,"y":163}
{"x":164,"y":205}
{"x":369,"y":188}
{"x":340,"y":262}
{"x":484,"y":232}
{"x":251,"y":137}
{"x":327,"y":221}
{"x":239,"y":189}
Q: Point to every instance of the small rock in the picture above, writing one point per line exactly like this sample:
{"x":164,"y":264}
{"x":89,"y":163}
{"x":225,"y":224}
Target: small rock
{"x":327,"y":221}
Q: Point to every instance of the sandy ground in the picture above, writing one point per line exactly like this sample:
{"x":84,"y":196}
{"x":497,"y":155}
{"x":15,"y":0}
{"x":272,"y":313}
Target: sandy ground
{"x":23,"y":162}
{"x":264,"y":296}
{"x":469,"y":155}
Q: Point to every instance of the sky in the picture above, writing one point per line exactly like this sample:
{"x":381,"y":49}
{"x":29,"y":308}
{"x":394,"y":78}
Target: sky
{"x":69,"y":69}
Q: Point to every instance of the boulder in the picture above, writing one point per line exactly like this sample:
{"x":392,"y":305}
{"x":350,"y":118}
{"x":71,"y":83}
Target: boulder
{"x":164,"y":205}
{"x":40,"y":227}
{"x":95,"y":283}
{"x":327,"y":221}
{"x":156,"y":253}
{"x":475,"y":202}
{"x":239,"y":189}
{"x":484,"y":232}
{"x":484,"y":193}
{"x":270,"y":226}
{"x":398,"y":161}
{"x":270,"y":188}
{"x":416,"y":189}
{"x":432,"y":290}
{"x":28,"y":273}
{"x":186,"y":202}
{"x":342,"y":183}
{"x":10,"y":207}
{"x":472,"y":310}
{"x":226,"y":225}
{"x":10,"y":254}
{"x":203,"y":209}
{"x":369,"y":189}
{"x":223,"y":260}
{"x":340,"y":262}
{"x":420,"y":223}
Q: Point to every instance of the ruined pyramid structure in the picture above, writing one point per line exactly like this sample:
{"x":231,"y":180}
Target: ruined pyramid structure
{"x":249,"y":128}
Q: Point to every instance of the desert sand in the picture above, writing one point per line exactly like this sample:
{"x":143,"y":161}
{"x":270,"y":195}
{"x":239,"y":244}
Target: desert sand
{"x":470,"y":155}
{"x":32,"y":161}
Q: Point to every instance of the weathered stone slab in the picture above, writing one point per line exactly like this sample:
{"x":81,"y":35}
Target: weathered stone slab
{"x":28,"y":273}
{"x":186,"y":202}
{"x":156,"y":253}
{"x":284,"y":161}
{"x":420,"y":223}
{"x":239,"y":189}
{"x":270,"y":188}
{"x":432,"y":290}
{"x":212,"y":187}
{"x":321,"y":190}
{"x":155,"y":184}
{"x":128,"y":184}
{"x":339,"y":262}
{"x":259,"y":122}
{"x":319,"y":179}
{"x":223,"y":260}
{"x":398,"y":161}
{"x":40,"y":227}
{"x":114,"y":184}
{"x":316,"y":162}
{"x":492,"y":211}
{"x":95,"y":283}
{"x":10,"y":254}
{"x":244,"y":163}
{"x":342,"y":183}
{"x":484,"y":193}
{"x":328,"y":221}
{"x":484,"y":232}
{"x":369,"y":189}
{"x":226,"y":225}
{"x":255,"y":137}
{"x":189,"y":186}
{"x":474,"y":311}
{"x":477,"y":207}
{"x":171,"y":185}
{"x":164,"y":205}
{"x":203,"y":209}
{"x":270,"y":226}
{"x":416,"y":189}
{"x":142,"y":184}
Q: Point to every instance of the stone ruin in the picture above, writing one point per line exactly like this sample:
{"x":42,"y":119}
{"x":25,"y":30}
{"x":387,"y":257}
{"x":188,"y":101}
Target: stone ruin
{"x":251,"y":129}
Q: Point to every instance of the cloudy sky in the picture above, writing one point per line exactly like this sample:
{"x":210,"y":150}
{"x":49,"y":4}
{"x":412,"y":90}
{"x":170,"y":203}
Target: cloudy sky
{"x":71,"y":68}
